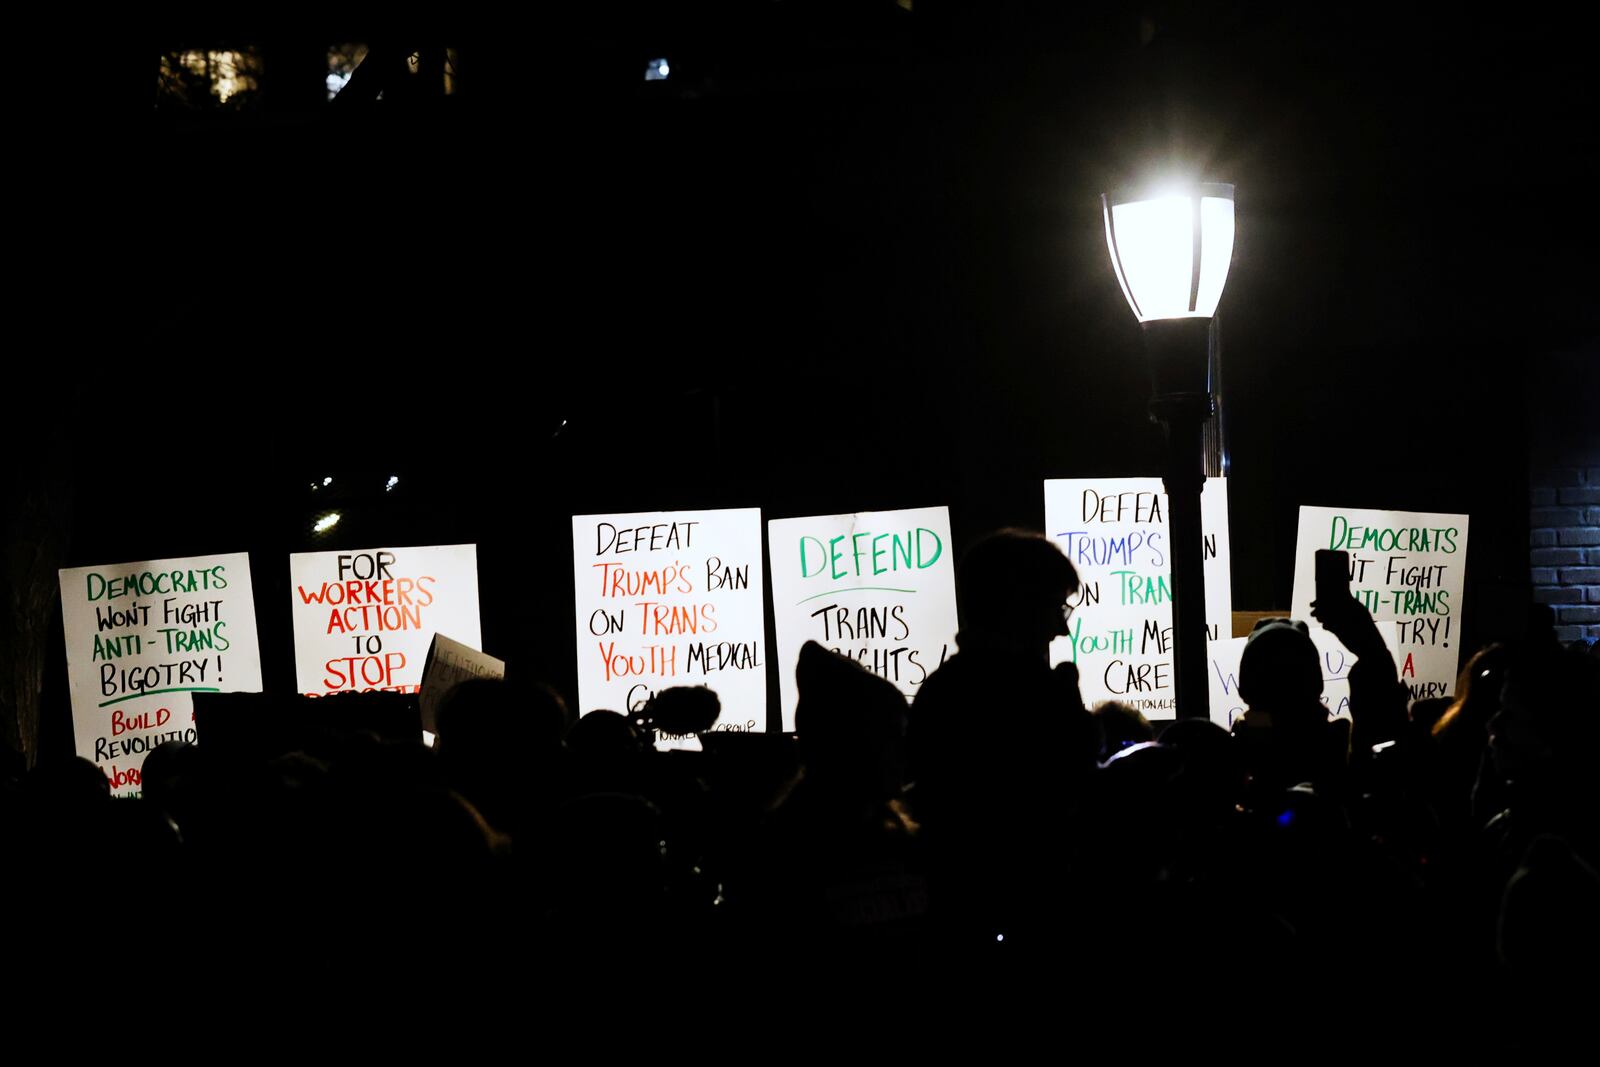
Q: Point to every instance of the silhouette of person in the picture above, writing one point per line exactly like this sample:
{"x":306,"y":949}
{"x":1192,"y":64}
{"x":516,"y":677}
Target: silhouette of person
{"x":1000,"y":746}
{"x":1285,"y":733}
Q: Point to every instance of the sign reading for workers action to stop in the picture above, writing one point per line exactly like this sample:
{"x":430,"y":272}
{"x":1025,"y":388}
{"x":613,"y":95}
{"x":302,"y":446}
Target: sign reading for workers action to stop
{"x":363,"y":620}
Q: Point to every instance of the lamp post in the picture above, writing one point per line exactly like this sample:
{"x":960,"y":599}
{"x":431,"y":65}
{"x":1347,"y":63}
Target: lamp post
{"x":1171,"y":251}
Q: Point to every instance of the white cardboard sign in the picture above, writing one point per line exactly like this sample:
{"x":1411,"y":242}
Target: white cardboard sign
{"x":1115,"y":532}
{"x":1408,"y":568}
{"x":878,"y":587}
{"x":364,"y":619}
{"x":449,"y":664}
{"x":142,"y":638}
{"x":671,"y":599}
{"x":1227,"y":705}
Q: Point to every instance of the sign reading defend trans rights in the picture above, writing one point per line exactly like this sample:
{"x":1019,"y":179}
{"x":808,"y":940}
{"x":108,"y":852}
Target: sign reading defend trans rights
{"x":141,"y":639}
{"x":363,"y":620}
{"x":877,"y":587}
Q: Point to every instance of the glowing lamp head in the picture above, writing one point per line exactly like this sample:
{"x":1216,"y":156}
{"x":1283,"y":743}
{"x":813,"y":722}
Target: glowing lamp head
{"x":1171,"y":249}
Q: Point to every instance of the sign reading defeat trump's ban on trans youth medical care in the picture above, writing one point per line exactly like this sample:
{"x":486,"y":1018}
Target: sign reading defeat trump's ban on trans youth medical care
{"x":1115,"y":532}
{"x":668,"y":599}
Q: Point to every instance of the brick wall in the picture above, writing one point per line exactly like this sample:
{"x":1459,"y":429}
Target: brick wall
{"x":1562,"y":406}
{"x":1564,"y":541}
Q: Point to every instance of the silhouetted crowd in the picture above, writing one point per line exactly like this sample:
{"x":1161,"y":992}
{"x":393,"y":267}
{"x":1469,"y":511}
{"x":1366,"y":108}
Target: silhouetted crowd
{"x":994,"y":853}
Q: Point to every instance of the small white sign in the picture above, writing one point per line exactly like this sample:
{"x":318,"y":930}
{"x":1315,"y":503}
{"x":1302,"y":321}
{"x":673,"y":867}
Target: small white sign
{"x":449,"y":664}
{"x":1226,"y":703}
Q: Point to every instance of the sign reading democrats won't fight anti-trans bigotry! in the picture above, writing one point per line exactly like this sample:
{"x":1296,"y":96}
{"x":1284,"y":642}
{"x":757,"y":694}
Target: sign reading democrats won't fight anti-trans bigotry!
{"x":363,"y":619}
{"x":141,"y":639}
{"x":1408,"y":568}
{"x":878,"y":587}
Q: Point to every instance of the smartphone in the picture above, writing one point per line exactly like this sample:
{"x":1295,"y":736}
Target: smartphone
{"x":1333,"y":574}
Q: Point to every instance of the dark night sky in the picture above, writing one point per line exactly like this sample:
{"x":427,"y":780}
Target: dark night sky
{"x":844,"y":258}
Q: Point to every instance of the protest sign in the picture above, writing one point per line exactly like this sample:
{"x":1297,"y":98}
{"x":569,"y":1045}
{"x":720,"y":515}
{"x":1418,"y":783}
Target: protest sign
{"x":878,"y":587}
{"x":1408,"y":569}
{"x":670,"y":599}
{"x":1115,"y":532}
{"x":141,"y":639}
{"x":449,"y":664}
{"x":364,"y":619}
{"x":1225,"y":656}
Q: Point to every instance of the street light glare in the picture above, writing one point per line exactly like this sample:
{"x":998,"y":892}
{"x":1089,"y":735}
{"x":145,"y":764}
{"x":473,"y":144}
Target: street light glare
{"x":1171,"y":252}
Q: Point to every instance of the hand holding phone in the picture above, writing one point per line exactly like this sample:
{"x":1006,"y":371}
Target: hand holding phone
{"x":1338,"y":611}
{"x":1333,"y":575}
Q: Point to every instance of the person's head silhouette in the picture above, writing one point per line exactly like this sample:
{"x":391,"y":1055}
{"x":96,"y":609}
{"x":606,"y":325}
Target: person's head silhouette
{"x":1015,"y":587}
{"x":1280,"y":671}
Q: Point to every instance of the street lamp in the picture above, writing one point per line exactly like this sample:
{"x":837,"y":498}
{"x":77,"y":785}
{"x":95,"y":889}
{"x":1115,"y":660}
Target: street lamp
{"x":1171,"y":250}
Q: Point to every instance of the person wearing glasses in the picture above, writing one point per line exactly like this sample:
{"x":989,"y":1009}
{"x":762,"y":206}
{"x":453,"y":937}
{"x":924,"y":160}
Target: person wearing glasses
{"x":999,"y":744}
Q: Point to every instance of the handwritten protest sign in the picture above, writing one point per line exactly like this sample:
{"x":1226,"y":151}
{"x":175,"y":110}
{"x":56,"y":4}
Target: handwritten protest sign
{"x":1114,"y":530}
{"x":667,"y":599}
{"x":1406,"y":567}
{"x":364,"y":619}
{"x":1226,"y":655}
{"x":449,"y":664}
{"x":879,"y":587}
{"x":141,"y":639}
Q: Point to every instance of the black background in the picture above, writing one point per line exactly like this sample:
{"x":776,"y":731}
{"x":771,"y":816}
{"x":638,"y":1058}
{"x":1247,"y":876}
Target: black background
{"x":845,"y":257}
